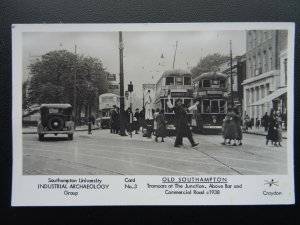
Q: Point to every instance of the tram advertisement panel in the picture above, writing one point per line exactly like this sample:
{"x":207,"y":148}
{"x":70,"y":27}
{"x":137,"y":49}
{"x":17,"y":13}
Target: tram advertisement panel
{"x":208,"y":119}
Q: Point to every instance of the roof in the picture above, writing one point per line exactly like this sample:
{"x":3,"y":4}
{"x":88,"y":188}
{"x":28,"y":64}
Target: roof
{"x":61,"y":106}
{"x":270,"y":97}
{"x":211,"y":76}
{"x":108,"y":94}
{"x":176,"y":72}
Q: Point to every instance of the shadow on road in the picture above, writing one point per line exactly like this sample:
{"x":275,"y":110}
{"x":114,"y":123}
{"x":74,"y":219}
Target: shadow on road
{"x":52,"y":139}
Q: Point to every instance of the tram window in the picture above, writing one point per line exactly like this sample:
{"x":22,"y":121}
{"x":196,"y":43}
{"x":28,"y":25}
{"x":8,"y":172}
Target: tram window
{"x":200,"y":84}
{"x":199,"y":108}
{"x":206,"y":106}
{"x":214,"y":106}
{"x":179,"y":81}
{"x":169,"y":80}
{"x":222,"y":83}
{"x":215,"y":82}
{"x":187,"y":80}
{"x":222,"y":106}
{"x":206,"y":83}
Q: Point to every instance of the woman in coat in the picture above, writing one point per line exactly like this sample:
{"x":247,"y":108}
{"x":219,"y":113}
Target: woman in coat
{"x":238,"y":122}
{"x":161,"y":126}
{"x":230,"y":130}
{"x":273,"y":129}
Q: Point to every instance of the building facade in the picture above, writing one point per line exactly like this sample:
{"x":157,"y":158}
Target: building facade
{"x":266,"y":72}
{"x":238,"y":76}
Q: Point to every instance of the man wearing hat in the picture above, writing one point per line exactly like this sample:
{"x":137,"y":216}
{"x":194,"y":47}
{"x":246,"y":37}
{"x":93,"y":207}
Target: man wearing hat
{"x":181,"y":122}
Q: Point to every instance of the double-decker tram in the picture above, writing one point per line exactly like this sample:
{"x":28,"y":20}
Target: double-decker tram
{"x":211,"y":92}
{"x":178,"y":84}
{"x":106,"y":103}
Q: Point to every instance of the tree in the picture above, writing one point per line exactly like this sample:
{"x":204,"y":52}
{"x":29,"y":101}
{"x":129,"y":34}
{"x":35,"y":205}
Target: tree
{"x":53,"y":80}
{"x":209,"y":63}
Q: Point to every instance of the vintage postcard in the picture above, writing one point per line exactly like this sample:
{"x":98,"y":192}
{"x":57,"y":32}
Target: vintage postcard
{"x":153,"y":114}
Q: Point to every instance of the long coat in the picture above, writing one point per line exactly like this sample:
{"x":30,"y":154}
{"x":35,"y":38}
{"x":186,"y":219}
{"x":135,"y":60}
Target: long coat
{"x":238,"y":122}
{"x":181,"y":121}
{"x":273,"y":129}
{"x":161,"y":125}
{"x":230,"y":126}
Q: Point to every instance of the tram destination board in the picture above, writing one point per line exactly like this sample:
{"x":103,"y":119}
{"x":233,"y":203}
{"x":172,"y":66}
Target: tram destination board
{"x":142,"y":164}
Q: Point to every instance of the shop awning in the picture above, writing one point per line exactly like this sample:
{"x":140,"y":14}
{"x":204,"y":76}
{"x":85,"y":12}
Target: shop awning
{"x":270,"y":97}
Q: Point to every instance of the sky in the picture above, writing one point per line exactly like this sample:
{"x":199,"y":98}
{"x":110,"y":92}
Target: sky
{"x":143,"y":61}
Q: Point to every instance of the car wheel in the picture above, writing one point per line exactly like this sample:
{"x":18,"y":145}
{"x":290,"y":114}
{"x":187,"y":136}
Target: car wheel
{"x":55,"y":123}
{"x":70,"y":136}
{"x":41,"y":137}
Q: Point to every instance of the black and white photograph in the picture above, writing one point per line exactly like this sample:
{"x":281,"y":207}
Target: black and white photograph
{"x":185,"y":103}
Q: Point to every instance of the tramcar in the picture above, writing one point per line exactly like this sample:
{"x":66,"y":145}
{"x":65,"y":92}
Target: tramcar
{"x":106,"y":103}
{"x":178,"y":84}
{"x":210,"y":89}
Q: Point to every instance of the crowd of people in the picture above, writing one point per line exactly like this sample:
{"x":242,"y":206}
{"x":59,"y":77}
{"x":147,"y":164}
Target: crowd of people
{"x":274,"y":128}
{"x":231,"y":130}
{"x":232,"y":127}
{"x":155,"y":124}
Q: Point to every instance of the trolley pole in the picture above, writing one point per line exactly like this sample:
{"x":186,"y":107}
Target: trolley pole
{"x":175,"y":54}
{"x":231,"y":78}
{"x":122,"y":112}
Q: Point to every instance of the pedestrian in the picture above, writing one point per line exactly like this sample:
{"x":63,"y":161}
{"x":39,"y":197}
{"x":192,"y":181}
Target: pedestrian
{"x":266,"y":121}
{"x":238,"y":121}
{"x":273,"y":127}
{"x":118,"y":119}
{"x":114,"y":119}
{"x":155,"y":123}
{"x":136,"y":121}
{"x":230,"y":131}
{"x":181,"y":122}
{"x":247,"y":123}
{"x":129,"y":120}
{"x":161,"y":126}
{"x":279,"y":130}
{"x":257,"y":123}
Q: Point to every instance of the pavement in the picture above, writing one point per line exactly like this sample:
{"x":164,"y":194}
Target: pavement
{"x":260,"y":131}
{"x":33,"y":130}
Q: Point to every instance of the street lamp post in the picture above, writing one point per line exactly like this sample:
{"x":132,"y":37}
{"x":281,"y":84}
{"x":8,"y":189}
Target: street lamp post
{"x":122,"y":122}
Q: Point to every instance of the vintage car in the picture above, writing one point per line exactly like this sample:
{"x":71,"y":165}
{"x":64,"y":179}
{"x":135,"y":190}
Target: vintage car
{"x":55,"y":119}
